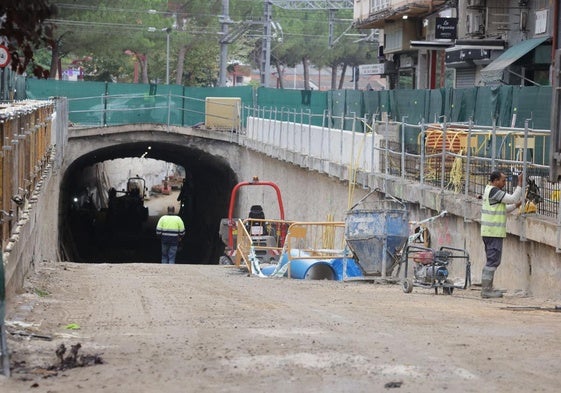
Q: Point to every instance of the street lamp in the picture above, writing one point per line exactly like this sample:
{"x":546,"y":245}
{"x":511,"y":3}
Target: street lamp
{"x":167,"y":30}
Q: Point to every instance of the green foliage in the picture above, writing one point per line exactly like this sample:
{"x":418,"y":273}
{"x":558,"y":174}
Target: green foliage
{"x":306,"y":38}
{"x":23,"y":26}
{"x":41,"y":293}
{"x":198,"y":71}
{"x":116,"y":33}
{"x":109,"y":38}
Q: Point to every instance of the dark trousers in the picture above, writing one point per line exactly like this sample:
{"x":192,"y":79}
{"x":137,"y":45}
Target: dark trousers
{"x":493,"y":251}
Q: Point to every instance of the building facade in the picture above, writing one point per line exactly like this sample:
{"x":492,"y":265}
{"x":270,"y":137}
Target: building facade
{"x":462,"y":43}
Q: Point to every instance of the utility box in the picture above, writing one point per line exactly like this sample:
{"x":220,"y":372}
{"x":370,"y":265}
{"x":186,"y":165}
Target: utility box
{"x":222,"y":113}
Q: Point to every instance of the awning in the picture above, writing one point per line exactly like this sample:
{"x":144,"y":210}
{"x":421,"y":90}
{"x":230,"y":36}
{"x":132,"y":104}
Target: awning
{"x":494,"y":71}
{"x":485,"y":44}
{"x":432,"y":44}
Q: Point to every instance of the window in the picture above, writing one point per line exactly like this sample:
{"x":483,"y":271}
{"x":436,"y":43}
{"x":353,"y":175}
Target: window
{"x":406,"y":78}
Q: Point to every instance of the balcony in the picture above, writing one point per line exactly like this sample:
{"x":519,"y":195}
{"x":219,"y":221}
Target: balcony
{"x":373,"y":14}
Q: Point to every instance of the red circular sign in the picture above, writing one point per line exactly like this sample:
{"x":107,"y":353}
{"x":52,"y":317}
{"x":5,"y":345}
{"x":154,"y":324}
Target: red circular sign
{"x":4,"y":56}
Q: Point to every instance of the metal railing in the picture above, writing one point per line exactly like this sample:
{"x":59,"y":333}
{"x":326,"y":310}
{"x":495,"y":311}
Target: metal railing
{"x":456,"y":157}
{"x":259,"y":238}
{"x":169,"y":109}
{"x":315,"y":241}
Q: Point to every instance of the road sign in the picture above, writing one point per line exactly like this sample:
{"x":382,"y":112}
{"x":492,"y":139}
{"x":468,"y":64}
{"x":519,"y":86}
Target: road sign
{"x":4,"y":56}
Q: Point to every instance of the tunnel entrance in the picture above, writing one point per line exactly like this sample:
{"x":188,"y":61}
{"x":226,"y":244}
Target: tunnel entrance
{"x":89,"y":236}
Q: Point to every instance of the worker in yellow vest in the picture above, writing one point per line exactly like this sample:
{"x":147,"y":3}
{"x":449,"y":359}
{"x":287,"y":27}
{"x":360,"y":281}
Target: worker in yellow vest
{"x":171,"y":229}
{"x":496,"y":204}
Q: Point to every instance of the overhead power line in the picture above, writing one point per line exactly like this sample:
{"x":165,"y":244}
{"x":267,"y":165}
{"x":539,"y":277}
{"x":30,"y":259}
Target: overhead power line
{"x":82,"y":23}
{"x":97,"y":8}
{"x":314,"y":4}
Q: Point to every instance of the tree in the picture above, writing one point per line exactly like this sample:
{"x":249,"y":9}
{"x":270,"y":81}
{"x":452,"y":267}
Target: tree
{"x":131,"y":36}
{"x":22,"y":23}
{"x":306,"y":40}
{"x":107,"y":31}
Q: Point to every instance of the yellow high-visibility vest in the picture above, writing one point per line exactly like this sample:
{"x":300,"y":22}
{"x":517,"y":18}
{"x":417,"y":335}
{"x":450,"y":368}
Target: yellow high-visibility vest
{"x":493,"y":217}
{"x":170,"y":227}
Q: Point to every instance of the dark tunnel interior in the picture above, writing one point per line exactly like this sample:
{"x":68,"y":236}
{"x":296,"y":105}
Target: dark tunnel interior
{"x":87,"y":235}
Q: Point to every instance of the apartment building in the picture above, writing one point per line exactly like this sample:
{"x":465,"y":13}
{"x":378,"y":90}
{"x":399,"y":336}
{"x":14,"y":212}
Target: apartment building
{"x":462,"y":43}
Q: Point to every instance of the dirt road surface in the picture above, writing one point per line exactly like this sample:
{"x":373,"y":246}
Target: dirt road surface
{"x":196,"y":328}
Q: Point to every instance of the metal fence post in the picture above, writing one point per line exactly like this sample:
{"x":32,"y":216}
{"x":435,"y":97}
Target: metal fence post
{"x":468,"y":158}
{"x":169,"y":105}
{"x":403,"y":146}
{"x":493,"y":144}
{"x":341,"y":143}
{"x":525,"y":159}
{"x":423,"y":158}
{"x":310,"y":139}
{"x":352,"y":158}
{"x":443,"y":158}
{"x":104,"y":113}
{"x":372,"y":147}
{"x":329,"y":133}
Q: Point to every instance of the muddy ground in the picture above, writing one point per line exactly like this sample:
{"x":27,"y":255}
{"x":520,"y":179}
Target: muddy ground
{"x":196,"y":328}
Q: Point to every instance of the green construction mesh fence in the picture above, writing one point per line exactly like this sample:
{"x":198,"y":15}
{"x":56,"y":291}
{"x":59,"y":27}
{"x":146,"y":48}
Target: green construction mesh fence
{"x":143,"y":103}
{"x":532,"y":103}
{"x":294,"y":104}
{"x":409,"y":105}
{"x":99,"y":103}
{"x":462,"y":105}
{"x":504,"y":116}
{"x":336,"y":106}
{"x":354,"y":109}
{"x":434,"y":102}
{"x":85,"y":99}
{"x":486,"y":104}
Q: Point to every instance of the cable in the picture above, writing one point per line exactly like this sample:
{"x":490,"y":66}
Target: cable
{"x":456,"y":173}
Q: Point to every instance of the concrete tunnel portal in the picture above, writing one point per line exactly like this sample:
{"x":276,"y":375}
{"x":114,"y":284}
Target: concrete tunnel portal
{"x":87,"y":235}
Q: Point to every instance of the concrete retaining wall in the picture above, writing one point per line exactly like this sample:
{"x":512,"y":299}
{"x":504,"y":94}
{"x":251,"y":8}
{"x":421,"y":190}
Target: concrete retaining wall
{"x":35,"y":236}
{"x":317,"y":189}
{"x":531,"y":263}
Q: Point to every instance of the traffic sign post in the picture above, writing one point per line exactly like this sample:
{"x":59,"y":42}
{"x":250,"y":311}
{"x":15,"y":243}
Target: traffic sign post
{"x":4,"y":56}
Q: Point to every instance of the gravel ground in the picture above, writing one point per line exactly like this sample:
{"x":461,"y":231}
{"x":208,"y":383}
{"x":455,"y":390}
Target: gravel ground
{"x":198,"y":328}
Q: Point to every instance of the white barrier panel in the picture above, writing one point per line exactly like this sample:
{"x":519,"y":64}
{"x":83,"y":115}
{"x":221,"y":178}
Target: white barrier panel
{"x":348,"y":148}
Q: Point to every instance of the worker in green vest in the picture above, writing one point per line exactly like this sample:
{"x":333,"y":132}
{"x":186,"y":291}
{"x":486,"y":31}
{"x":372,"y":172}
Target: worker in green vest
{"x":171,"y":229}
{"x":496,"y":204}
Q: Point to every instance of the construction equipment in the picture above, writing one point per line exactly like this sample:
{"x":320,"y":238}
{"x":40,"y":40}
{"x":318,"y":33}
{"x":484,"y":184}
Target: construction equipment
{"x":127,"y":211}
{"x":431,"y":268}
{"x":267,"y":235}
{"x":375,"y":231}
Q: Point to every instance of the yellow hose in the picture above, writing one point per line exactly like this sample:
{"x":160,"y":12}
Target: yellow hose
{"x":456,"y":174}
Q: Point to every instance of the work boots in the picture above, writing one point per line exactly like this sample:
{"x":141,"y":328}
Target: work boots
{"x":487,"y":291}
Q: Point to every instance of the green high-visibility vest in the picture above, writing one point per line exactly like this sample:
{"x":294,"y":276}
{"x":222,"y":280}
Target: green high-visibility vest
{"x":493,"y":217}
